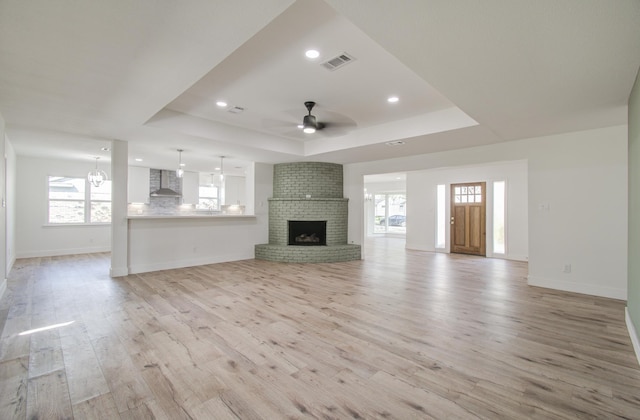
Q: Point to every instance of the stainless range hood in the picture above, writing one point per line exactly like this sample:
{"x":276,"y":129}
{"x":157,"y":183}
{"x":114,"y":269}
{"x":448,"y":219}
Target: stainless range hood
{"x":164,"y":190}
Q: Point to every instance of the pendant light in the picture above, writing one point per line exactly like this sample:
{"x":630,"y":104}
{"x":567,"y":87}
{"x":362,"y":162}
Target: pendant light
{"x":180,"y":171}
{"x":221,"y":169}
{"x":97,"y":177}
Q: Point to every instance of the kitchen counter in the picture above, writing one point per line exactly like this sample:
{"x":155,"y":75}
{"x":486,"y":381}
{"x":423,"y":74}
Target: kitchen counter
{"x":190,"y":216}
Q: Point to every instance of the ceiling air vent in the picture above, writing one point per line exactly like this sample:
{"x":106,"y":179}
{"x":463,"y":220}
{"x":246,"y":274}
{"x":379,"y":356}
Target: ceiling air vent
{"x":235,"y":110}
{"x":395,"y":143}
{"x":338,"y":61}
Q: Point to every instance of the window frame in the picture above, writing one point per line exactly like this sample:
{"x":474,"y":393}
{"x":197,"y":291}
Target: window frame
{"x":86,"y":200}
{"x":213,"y":198}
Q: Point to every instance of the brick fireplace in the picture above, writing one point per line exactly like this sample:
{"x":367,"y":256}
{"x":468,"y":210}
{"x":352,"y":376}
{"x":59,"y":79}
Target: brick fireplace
{"x":308,"y":204}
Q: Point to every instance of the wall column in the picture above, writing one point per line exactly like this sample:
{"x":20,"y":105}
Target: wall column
{"x":119,"y":222}
{"x":633,"y":265}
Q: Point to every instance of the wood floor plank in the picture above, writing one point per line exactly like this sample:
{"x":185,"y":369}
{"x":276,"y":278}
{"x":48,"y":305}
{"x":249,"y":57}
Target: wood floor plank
{"x":214,"y":408}
{"x":48,"y":398}
{"x":12,"y":344}
{"x":13,"y":388}
{"x":83,"y":372}
{"x":127,"y":388}
{"x":45,"y":354}
{"x":401,"y":334}
{"x":100,"y":407}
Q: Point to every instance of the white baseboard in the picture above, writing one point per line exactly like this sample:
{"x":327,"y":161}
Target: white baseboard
{"x":418,"y":247}
{"x":10,"y":263}
{"x":516,"y":257}
{"x":632,"y":333}
{"x":3,"y":287}
{"x":169,"y":265}
{"x":118,"y":272}
{"x":586,"y":289}
{"x":58,"y":252}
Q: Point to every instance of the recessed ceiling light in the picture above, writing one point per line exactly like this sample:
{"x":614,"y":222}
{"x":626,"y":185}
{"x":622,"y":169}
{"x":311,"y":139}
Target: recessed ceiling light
{"x":312,"y":53}
{"x":300,"y":126}
{"x":105,"y":149}
{"x":221,"y":104}
{"x":183,"y":164}
{"x":216,"y":168}
{"x":393,"y":99}
{"x":138,"y":160}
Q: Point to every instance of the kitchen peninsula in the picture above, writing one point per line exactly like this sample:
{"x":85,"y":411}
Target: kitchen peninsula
{"x":171,"y":229}
{"x":160,"y":242}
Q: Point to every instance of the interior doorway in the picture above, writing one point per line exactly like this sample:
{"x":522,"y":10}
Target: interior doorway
{"x":468,"y":209}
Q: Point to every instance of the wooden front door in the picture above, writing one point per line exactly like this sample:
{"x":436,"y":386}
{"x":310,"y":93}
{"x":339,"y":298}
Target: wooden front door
{"x":468,"y":211}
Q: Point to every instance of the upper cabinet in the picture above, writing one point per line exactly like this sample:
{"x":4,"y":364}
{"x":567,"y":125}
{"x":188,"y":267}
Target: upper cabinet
{"x":190,"y":188}
{"x":138,"y":185}
{"x":234,"y":190}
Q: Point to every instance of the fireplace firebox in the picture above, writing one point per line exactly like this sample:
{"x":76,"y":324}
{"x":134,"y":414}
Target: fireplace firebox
{"x":307,"y":233}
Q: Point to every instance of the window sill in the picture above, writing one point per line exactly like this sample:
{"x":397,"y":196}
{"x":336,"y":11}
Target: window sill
{"x":75,"y":224}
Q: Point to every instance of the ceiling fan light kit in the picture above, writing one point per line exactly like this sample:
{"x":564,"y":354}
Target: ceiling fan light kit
{"x":309,"y":122}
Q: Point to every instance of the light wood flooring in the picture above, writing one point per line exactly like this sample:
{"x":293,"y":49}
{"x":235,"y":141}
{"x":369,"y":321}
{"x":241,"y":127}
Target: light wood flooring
{"x":402,"y":335}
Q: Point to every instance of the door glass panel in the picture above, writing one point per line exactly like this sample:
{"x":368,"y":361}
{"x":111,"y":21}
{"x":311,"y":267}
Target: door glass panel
{"x":471,"y":194}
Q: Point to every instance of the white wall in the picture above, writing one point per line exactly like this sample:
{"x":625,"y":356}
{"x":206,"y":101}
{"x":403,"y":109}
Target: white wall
{"x":581,"y":177}
{"x":581,"y":180}
{"x":11,"y":204}
{"x":3,"y":214}
{"x":386,"y":187}
{"x":421,"y":210}
{"x":33,"y":237}
{"x":263,"y":190}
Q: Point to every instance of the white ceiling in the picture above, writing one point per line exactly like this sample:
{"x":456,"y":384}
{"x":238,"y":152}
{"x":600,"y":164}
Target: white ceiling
{"x":74,"y":75}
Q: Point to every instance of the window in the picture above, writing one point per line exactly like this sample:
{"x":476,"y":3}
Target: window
{"x":100,"y":203}
{"x":208,"y":197}
{"x":390,"y":213}
{"x":75,"y":200}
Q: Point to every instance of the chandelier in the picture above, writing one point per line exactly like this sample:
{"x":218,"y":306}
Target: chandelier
{"x":96,"y":176}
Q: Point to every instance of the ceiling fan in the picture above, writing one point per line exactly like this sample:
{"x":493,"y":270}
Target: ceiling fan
{"x":332,"y":124}
{"x":309,"y":123}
